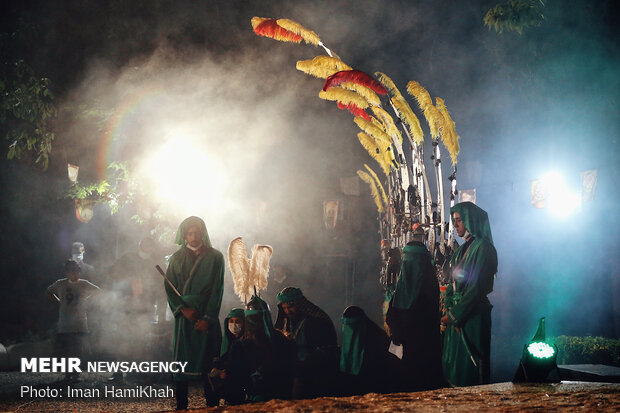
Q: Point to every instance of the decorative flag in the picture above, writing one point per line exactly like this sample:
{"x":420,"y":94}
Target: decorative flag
{"x":467,"y":195}
{"x":588,"y":184}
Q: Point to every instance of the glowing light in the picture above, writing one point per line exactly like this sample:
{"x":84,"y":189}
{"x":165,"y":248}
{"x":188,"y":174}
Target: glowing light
{"x":561,"y":201}
{"x":183,"y":174}
{"x":540,"y":350}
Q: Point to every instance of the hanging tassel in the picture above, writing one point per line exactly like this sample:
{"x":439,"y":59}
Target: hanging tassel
{"x":322,"y":66}
{"x":354,"y":76}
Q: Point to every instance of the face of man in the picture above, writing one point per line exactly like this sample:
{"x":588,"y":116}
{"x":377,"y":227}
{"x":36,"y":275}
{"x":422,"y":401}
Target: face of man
{"x":194,"y":237}
{"x":458,"y":225}
{"x":73,"y":276}
{"x":290,"y":310}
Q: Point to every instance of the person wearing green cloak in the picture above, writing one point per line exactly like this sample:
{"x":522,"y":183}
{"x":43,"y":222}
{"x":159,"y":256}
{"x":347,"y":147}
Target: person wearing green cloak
{"x":261,"y":362}
{"x":467,"y":338}
{"x":413,"y":317}
{"x":315,"y":337}
{"x":196,"y":271}
{"x":365,"y":362}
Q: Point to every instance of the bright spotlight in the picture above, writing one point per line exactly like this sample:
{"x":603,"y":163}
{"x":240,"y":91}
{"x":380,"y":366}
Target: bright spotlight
{"x":561,"y":201}
{"x":182,"y":174}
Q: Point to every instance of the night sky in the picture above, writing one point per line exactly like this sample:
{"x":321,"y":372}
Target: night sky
{"x":524,"y":105}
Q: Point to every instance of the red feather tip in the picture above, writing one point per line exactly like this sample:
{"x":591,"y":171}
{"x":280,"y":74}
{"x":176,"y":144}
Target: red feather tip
{"x":270,"y":28}
{"x":354,"y":109}
{"x":354,"y":76}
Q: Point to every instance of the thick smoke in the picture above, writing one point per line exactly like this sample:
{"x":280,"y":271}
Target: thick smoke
{"x":277,"y":151}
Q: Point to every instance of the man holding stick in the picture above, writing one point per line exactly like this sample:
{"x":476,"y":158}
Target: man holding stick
{"x":194,"y":286}
{"x":467,"y":341}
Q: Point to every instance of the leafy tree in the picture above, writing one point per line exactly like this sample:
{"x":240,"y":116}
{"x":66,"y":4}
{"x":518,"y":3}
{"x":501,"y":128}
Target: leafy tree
{"x":27,"y":102}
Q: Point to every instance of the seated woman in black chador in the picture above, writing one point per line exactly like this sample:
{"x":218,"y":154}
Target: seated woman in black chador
{"x":260,"y":364}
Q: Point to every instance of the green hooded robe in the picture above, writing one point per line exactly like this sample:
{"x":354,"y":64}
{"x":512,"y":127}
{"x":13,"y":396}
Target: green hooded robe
{"x":472,"y":268}
{"x":200,"y":281}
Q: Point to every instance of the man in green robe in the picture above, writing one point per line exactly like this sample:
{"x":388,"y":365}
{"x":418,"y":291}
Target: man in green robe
{"x":197,"y":272}
{"x":467,"y":338}
{"x":413,"y":317}
{"x":315,"y":337}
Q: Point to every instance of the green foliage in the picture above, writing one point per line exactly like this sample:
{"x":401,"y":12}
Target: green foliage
{"x":588,"y":350}
{"x":27,"y":102}
{"x":116,"y":194}
{"x":515,"y":15}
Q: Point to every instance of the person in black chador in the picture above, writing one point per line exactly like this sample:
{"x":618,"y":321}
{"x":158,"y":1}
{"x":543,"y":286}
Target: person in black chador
{"x":234,"y":326}
{"x":259,"y":365}
{"x":315,"y":337}
{"x":413,"y":317}
{"x":365,"y":362}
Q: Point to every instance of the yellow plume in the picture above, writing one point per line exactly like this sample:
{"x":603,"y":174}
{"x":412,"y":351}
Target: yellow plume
{"x":374,"y":129}
{"x":387,"y":83}
{"x":339,"y":94}
{"x":409,"y":118}
{"x":388,"y":122}
{"x":422,"y":96}
{"x":257,"y":20}
{"x":373,"y":150}
{"x":364,"y":91}
{"x":308,"y":35}
{"x":378,"y":182}
{"x":322,"y":66}
{"x":448,"y":132}
{"x":433,"y":117}
{"x":373,"y":189}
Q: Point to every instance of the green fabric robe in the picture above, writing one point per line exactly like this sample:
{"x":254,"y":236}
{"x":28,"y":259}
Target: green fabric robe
{"x":473,"y":268}
{"x":201,"y":289}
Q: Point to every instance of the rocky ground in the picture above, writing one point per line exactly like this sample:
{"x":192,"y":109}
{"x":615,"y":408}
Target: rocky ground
{"x":506,"y":397}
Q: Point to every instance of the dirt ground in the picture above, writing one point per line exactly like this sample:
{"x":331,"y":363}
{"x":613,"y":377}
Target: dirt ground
{"x":505,"y":397}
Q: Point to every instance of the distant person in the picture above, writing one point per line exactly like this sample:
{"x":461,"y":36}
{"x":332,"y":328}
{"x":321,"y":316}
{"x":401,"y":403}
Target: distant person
{"x":473,"y":267}
{"x":196,"y":271}
{"x":413,"y":317}
{"x":315,"y":338}
{"x":77,"y":254}
{"x":71,"y":294}
{"x":261,"y":363}
{"x":366,"y":364}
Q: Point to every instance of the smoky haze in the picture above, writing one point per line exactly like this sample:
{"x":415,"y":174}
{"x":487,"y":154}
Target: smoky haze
{"x":273,"y":152}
